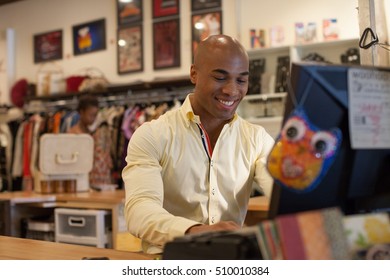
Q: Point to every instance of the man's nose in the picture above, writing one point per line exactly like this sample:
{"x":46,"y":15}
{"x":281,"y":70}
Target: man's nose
{"x":230,"y":88}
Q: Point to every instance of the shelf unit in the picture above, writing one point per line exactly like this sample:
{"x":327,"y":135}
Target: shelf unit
{"x":331,"y":50}
{"x":266,"y":109}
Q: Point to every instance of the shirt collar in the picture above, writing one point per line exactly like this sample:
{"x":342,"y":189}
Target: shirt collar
{"x":189,"y":115}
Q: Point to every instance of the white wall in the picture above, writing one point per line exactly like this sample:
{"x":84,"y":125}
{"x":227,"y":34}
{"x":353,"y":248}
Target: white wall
{"x":31,"y":17}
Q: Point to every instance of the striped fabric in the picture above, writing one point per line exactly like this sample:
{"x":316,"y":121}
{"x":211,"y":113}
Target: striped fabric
{"x":310,"y":235}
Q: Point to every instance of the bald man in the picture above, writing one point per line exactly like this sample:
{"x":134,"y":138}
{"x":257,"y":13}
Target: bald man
{"x":191,"y":170}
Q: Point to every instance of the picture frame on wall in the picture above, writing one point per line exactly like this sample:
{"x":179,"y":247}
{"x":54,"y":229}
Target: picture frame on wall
{"x":89,"y":37}
{"x":166,"y":44}
{"x":48,"y":46}
{"x":130,"y":49}
{"x":163,"y":8}
{"x":204,"y":25}
{"x":198,"y":5}
{"x":129,"y":12}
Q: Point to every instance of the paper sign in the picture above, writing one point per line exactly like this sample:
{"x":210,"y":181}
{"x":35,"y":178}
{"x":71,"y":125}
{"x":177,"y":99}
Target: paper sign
{"x":369,"y":108}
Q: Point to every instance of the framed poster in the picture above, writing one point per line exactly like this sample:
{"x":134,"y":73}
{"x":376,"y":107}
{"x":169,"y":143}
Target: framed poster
{"x":166,"y":44}
{"x":130,"y":49}
{"x":48,"y":46}
{"x":129,"y":11}
{"x":204,"y":25}
{"x":89,"y":37}
{"x":197,"y":5}
{"x":162,"y":8}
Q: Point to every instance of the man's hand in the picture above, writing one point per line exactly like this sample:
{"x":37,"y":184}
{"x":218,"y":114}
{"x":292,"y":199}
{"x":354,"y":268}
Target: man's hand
{"x":216,"y":227}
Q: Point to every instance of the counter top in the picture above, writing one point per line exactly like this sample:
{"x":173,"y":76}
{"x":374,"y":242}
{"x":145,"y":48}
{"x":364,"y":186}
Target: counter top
{"x":13,"y":248}
{"x":114,"y":197}
{"x":117,"y":196}
{"x":258,"y":203}
{"x":26,"y":197}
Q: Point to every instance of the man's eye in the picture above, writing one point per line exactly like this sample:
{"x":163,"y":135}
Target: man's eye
{"x":219,"y":78}
{"x":241,"y":81}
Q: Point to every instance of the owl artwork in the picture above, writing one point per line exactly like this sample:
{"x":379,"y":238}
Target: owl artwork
{"x":302,"y":153}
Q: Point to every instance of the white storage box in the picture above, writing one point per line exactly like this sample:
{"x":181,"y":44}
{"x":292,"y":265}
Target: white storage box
{"x":83,"y":227}
{"x":63,"y":157}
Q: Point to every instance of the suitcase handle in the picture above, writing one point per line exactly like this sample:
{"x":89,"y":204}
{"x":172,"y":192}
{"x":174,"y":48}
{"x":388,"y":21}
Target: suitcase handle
{"x":76,"y":221}
{"x":73,"y":159}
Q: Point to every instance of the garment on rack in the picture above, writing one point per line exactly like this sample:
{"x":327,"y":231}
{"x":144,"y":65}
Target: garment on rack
{"x":4,"y":142}
{"x":37,"y":131}
{"x":69,"y":119}
{"x":7,"y":114}
{"x":102,"y":161}
{"x":17,"y":162}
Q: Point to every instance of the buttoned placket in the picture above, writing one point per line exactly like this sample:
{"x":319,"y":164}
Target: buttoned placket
{"x":214,"y":201}
{"x":213,"y":196}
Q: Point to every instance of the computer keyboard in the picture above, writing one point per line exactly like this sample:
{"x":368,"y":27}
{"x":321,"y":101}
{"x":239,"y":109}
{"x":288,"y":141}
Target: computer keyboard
{"x":219,"y":245}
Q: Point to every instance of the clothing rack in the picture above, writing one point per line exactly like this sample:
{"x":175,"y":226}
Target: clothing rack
{"x":140,"y":93}
{"x":147,"y":97}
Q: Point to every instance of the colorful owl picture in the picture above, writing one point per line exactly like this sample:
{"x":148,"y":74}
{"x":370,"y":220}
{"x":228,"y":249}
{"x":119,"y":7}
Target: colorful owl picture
{"x":302,"y":153}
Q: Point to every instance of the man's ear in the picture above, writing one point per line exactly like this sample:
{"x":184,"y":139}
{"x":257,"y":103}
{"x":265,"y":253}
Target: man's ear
{"x":193,"y":74}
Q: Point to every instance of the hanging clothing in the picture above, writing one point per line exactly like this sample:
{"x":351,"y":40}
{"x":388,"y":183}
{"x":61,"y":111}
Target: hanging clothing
{"x":102,"y":161}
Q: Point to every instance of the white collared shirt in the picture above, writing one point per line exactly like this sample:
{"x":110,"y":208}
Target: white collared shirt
{"x":172,"y":183}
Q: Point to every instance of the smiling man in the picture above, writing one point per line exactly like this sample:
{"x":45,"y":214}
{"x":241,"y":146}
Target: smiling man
{"x":192,"y":170}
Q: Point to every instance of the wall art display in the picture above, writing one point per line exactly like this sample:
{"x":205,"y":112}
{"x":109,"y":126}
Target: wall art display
{"x":166,"y":44}
{"x":257,"y":41}
{"x":129,"y":11}
{"x":130,"y":50}
{"x":276,"y":35}
{"x":48,"y":46}
{"x":305,"y":33}
{"x":330,"y":29}
{"x":163,"y":8}
{"x":204,"y":25}
{"x":197,"y":5}
{"x":89,"y":37}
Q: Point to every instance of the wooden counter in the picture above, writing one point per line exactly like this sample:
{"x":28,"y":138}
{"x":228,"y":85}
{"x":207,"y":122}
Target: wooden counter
{"x":105,"y":200}
{"x":111,"y":197}
{"x":257,"y":210}
{"x":13,"y":248}
{"x":26,"y":197}
{"x":258,"y":203}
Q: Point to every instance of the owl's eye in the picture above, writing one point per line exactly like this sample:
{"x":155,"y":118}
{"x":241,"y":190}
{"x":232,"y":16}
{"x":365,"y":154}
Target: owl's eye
{"x":323,"y":144}
{"x":294,"y":129}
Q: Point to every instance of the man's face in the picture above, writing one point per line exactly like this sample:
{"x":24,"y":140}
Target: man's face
{"x":221,"y":83}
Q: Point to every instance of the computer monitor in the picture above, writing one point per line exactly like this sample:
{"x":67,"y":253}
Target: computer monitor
{"x":359,"y":179}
